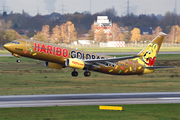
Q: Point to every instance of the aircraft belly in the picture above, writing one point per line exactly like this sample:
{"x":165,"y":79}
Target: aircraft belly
{"x":119,"y":70}
{"x":45,"y":57}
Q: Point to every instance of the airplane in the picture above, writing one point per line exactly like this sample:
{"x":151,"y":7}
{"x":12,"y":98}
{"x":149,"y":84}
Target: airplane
{"x":59,"y":57}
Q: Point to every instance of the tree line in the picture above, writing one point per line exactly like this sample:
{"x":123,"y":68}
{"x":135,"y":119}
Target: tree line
{"x":83,"y":21}
{"x":7,"y":34}
{"x":56,"y":29}
{"x":134,"y":36}
{"x":66,"y":33}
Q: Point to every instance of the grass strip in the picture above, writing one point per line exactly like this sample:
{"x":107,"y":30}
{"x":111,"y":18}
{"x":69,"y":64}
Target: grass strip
{"x":32,"y":77}
{"x":135,"y":112}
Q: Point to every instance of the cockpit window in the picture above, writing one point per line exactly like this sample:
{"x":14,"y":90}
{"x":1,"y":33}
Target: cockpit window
{"x":15,"y":42}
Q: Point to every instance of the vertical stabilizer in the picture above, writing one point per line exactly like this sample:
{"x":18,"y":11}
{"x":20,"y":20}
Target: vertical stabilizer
{"x":150,"y":52}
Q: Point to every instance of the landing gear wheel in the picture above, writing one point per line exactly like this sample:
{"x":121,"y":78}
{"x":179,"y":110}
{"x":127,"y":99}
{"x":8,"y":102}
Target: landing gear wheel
{"x":87,"y":74}
{"x":74,"y":74}
{"x":18,"y":60}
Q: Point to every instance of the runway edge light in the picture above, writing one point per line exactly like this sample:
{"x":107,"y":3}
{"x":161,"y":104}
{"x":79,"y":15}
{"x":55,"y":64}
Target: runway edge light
{"x":110,"y":108}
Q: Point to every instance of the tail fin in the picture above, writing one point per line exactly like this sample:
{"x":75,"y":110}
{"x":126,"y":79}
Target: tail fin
{"x":150,"y":52}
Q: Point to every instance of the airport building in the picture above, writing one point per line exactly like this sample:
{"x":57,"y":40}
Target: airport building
{"x":103,"y":23}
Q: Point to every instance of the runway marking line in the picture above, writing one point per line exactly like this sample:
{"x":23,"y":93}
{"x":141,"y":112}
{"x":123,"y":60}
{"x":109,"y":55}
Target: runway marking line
{"x":170,"y":98}
{"x":110,"y":108}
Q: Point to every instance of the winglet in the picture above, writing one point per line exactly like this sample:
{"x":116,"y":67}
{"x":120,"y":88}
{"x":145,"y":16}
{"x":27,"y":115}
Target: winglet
{"x":162,"y":34}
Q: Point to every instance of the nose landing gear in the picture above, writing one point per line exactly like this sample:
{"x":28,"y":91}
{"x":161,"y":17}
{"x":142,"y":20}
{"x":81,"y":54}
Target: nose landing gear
{"x":18,"y":60}
{"x":16,"y":55}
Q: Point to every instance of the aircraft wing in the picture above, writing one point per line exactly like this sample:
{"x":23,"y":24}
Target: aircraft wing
{"x":104,"y":62}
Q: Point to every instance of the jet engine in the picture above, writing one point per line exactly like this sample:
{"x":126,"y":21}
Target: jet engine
{"x":75,"y":63}
{"x":53,"y":65}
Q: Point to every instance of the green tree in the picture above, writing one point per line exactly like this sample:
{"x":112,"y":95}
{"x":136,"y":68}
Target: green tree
{"x":168,"y":28}
{"x":40,"y":37}
{"x":175,"y":34}
{"x":157,"y":31}
{"x":146,"y":38}
{"x":126,"y":37}
{"x":101,"y":36}
{"x":11,"y":35}
{"x":91,"y":32}
{"x":45,"y":30}
{"x":31,"y":33}
{"x":7,"y":34}
{"x":136,"y":36}
{"x":4,"y":25}
{"x":116,"y":33}
{"x":68,"y":32}
{"x":56,"y":35}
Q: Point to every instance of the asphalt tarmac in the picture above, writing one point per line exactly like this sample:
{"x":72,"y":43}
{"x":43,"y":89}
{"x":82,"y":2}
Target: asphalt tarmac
{"x":88,"y":99}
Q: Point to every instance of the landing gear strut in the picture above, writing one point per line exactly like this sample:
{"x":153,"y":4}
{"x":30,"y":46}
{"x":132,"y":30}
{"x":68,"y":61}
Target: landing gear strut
{"x":87,"y":73}
{"x":18,"y":60}
{"x":74,"y":73}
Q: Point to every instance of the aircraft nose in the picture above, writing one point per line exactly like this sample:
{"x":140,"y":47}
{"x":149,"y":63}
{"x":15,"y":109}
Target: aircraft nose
{"x":7,"y":46}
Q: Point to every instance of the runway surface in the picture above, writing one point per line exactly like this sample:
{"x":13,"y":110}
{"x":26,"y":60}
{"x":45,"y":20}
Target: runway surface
{"x":89,"y":99}
{"x":6,"y":55}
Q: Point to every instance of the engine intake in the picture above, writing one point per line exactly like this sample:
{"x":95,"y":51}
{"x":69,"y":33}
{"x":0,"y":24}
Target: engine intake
{"x":75,"y":63}
{"x":53,"y":65}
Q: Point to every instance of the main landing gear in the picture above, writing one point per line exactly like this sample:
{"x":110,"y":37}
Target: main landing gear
{"x":87,"y":73}
{"x":75,"y":73}
{"x":18,"y":60}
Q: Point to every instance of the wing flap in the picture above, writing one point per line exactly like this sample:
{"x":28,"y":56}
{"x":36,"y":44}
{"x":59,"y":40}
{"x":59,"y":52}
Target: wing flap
{"x":110,"y":59}
{"x":105,"y":62}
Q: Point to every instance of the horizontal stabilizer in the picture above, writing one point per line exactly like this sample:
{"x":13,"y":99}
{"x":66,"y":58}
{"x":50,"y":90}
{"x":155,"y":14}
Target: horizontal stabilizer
{"x":160,"y":67}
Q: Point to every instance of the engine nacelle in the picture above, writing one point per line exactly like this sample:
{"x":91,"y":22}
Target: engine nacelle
{"x":53,"y":65}
{"x":75,"y":63}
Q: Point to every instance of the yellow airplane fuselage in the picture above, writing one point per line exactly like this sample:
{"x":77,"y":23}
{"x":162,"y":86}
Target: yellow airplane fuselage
{"x":58,"y":54}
